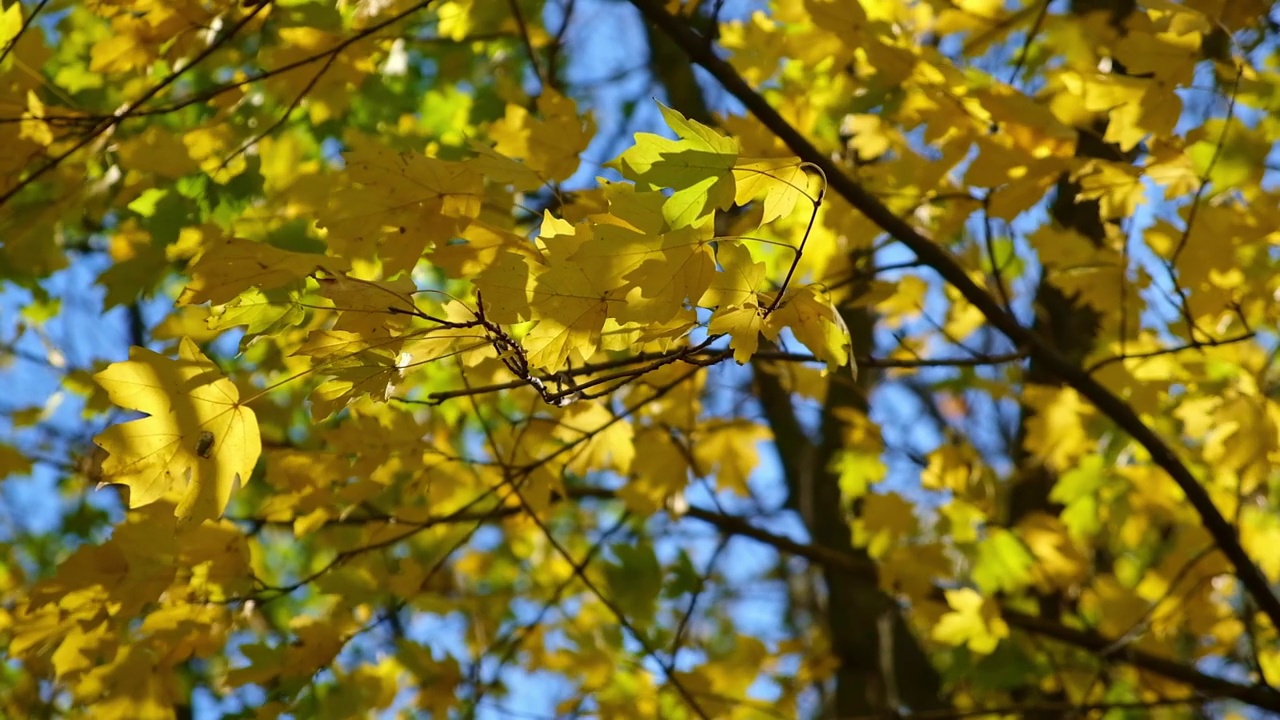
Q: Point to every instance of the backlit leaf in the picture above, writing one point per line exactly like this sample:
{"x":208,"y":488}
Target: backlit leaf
{"x":156,"y":457}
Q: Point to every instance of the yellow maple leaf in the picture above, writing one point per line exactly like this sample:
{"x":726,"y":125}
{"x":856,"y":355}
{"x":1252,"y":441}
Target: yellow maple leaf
{"x":571,"y":300}
{"x":372,"y":372}
{"x":816,"y":323}
{"x":132,"y":685}
{"x":1059,"y":563}
{"x":906,"y":302}
{"x":553,"y":339}
{"x":82,"y":643}
{"x":33,"y":127}
{"x":657,"y":275}
{"x":609,"y":253}
{"x":551,"y":146}
{"x":1117,"y":606}
{"x":399,"y":204}
{"x":227,"y":268}
{"x":1092,"y":272}
{"x":469,"y":345}
{"x":739,"y":279}
{"x":630,"y":208}
{"x":1028,"y":123}
{"x":214,"y":148}
{"x":1169,"y":56}
{"x":609,"y":442}
{"x":1056,"y":433}
{"x":199,"y":442}
{"x":483,"y":244}
{"x":728,"y":448}
{"x":659,"y":470}
{"x":10,"y":23}
{"x":507,"y":286}
{"x":973,"y":621}
{"x":755,"y":46}
{"x":951,"y":467}
{"x":375,"y":310}
{"x":983,"y":20}
{"x":782,"y":182}
{"x":328,"y":87}
{"x":743,"y":325}
{"x":1002,"y":562}
{"x":885,"y":518}
{"x":118,"y":53}
{"x":504,"y":170}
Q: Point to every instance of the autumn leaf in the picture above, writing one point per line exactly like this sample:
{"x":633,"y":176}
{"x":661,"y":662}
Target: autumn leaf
{"x":659,"y":470}
{"x":729,"y":449}
{"x":399,"y":204}
{"x":233,"y":265}
{"x":1002,"y":563}
{"x":372,"y":372}
{"x":973,"y":621}
{"x":1057,"y":433}
{"x":743,"y":324}
{"x":740,"y":278}
{"x":781,"y":181}
{"x":198,"y":442}
{"x":815,"y":322}
{"x":372,"y":309}
{"x":551,"y":146}
{"x":659,"y":275}
{"x":699,"y":166}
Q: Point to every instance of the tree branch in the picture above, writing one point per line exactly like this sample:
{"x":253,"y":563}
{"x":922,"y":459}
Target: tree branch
{"x":1257,"y":695}
{"x":437,"y":398}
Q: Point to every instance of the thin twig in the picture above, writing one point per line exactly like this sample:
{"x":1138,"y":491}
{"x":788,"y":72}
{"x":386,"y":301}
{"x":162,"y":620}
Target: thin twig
{"x":437,"y":398}
{"x":997,"y":270}
{"x":1026,"y":42}
{"x":26,"y":24}
{"x":799,"y":251}
{"x":518,"y":15}
{"x":1171,"y":264}
{"x":1197,"y":345}
{"x":522,"y":633}
{"x":687,"y":616}
{"x":284,"y":117}
{"x":579,"y":571}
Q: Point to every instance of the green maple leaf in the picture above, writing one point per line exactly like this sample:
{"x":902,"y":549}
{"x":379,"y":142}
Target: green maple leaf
{"x":698,"y":166}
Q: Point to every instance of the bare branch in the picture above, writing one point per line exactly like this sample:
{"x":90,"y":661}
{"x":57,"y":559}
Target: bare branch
{"x":700,"y":358}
